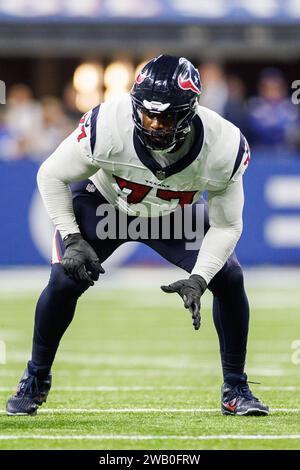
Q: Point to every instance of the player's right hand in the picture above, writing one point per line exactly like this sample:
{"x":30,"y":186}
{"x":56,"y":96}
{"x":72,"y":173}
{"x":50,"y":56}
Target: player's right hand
{"x":80,"y":260}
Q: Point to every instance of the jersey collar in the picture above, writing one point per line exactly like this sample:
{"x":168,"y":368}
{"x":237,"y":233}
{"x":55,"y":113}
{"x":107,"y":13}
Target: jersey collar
{"x":164,"y":172}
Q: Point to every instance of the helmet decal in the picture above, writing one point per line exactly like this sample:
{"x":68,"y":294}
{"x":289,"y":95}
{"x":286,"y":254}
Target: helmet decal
{"x":189,"y":79}
{"x":140,"y":78}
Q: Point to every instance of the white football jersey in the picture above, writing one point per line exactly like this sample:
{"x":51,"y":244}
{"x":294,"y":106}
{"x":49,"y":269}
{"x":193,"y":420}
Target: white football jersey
{"x":133,"y":181}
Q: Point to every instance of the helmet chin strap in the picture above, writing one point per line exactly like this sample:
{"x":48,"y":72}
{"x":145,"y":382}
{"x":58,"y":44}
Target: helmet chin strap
{"x":169,"y":149}
{"x":153,"y":145}
{"x":164,"y":149}
{"x":175,"y":144}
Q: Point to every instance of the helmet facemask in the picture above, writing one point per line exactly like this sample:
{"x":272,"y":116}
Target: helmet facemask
{"x":173,"y":134}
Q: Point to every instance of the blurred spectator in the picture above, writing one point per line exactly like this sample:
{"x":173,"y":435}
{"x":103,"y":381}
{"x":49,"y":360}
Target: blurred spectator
{"x":272,"y":118}
{"x":235,"y":106}
{"x":215,"y":92}
{"x":23,"y":114}
{"x":69,"y":104}
{"x":8,"y":145}
{"x":32,"y":130}
{"x":52,"y":128}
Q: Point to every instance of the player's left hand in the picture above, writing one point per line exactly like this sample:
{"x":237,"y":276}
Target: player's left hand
{"x":190,"y":290}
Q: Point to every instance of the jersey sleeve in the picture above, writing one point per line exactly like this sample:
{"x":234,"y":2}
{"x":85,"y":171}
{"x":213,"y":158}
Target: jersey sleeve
{"x":72,"y":161}
{"x":226,"y":224}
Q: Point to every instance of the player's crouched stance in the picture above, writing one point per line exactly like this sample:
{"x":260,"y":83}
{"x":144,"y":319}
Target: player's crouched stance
{"x":154,"y":148}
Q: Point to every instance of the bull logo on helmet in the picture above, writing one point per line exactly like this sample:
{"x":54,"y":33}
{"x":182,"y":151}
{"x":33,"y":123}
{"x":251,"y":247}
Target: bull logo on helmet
{"x":140,"y":78}
{"x":190,"y":80}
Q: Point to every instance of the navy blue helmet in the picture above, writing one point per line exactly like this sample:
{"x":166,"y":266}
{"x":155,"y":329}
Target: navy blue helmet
{"x":167,"y":86}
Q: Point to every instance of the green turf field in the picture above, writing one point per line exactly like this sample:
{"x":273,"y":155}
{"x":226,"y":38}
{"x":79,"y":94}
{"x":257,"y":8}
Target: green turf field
{"x":132,"y":373}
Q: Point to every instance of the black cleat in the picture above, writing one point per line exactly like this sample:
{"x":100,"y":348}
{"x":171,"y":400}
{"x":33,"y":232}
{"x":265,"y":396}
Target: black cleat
{"x":238,"y":400}
{"x":31,"y":393}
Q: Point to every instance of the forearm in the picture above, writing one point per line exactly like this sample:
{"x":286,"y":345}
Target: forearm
{"x":225,"y":216}
{"x":217,"y":246}
{"x":57,"y":199}
{"x":64,"y":166}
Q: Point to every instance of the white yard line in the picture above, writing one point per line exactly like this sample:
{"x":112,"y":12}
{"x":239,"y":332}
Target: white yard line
{"x":108,"y":388}
{"x":119,"y":389}
{"x":126,"y":410}
{"x":158,"y":437}
{"x":147,"y":410}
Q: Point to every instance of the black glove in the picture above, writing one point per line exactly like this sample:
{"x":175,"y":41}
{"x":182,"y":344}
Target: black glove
{"x":80,"y":260}
{"x":190,"y":290}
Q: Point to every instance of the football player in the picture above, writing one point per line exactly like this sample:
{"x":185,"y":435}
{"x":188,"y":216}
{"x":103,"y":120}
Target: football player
{"x":148,"y":153}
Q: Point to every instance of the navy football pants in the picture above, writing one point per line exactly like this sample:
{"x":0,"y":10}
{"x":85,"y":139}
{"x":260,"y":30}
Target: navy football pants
{"x":56,"y":305}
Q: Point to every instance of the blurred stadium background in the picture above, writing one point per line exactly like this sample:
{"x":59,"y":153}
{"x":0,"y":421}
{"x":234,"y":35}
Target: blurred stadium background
{"x":61,"y":57}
